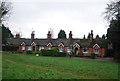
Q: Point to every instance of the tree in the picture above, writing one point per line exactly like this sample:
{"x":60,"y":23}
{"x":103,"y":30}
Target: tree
{"x":5,"y":9}
{"x":112,"y":11}
{"x":6,"y":33}
{"x":97,"y":37}
{"x":112,"y":15}
{"x":88,"y":35}
{"x":62,"y":34}
{"x":103,"y":36}
{"x":84,"y":37}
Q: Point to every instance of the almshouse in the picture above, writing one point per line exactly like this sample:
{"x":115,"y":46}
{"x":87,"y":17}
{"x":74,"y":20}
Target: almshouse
{"x":78,"y":46}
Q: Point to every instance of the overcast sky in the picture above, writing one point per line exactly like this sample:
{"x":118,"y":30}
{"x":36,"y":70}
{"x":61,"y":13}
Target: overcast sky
{"x":78,"y":16}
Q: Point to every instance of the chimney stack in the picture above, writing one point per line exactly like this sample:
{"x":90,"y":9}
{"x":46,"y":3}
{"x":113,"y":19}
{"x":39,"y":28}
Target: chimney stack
{"x":17,"y":36}
{"x":91,"y":35}
{"x":70,"y":35}
{"x":49,"y":35}
{"x":32,"y":35}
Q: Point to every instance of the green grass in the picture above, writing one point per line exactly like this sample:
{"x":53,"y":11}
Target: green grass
{"x":44,"y":67}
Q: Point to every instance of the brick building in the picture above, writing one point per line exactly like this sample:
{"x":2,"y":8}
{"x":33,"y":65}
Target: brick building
{"x":78,"y":46}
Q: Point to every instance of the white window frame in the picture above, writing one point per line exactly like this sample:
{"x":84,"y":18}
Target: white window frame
{"x":86,"y":50}
{"x":96,"y":51}
{"x":29,"y":48}
{"x":49,"y":48}
{"x":60,"y":49}
{"x":41,"y":48}
{"x":23,"y":47}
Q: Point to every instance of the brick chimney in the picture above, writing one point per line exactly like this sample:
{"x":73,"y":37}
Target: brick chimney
{"x":17,"y":36}
{"x":91,"y":35}
{"x":49,"y":35}
{"x":32,"y":35}
{"x":70,"y":35}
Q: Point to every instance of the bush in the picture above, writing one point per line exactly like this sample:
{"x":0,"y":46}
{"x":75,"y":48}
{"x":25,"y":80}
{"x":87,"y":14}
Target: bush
{"x":54,"y":48}
{"x":92,"y":55}
{"x":60,"y":54}
{"x":29,"y":52}
{"x":52,"y":52}
{"x":19,"y":52}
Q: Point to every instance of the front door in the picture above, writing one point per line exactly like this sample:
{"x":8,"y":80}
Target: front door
{"x":33,"y":48}
{"x":76,"y":51}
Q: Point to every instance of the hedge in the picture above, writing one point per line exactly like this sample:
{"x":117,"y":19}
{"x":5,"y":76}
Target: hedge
{"x":29,"y":52}
{"x":52,"y":52}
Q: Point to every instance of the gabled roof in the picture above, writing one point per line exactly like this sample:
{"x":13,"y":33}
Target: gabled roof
{"x":85,"y":43}
{"x":76,"y":45}
{"x":61,"y":44}
{"x":101,"y":42}
{"x":49,"y":44}
{"x":33,"y":43}
{"x":23,"y":43}
{"x":96,"y":45}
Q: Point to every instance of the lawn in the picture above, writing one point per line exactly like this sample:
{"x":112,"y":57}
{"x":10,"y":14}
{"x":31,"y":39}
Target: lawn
{"x":44,"y":67}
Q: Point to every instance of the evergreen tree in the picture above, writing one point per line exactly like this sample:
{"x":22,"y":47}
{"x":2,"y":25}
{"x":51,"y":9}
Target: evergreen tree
{"x":97,"y":36}
{"x":6,"y":33}
{"x":84,"y":37}
{"x":88,"y":35}
{"x":62,"y":34}
{"x":113,"y":32}
{"x":103,"y":36}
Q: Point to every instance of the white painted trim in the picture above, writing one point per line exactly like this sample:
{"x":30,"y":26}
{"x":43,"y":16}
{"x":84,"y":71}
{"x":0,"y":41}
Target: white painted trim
{"x":61,"y":44}
{"x":76,"y":44}
{"x":49,"y":44}
{"x":23,"y":43}
{"x":95,"y":45}
{"x":33,"y":43}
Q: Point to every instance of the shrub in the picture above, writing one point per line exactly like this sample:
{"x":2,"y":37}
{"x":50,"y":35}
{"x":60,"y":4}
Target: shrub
{"x":52,"y":52}
{"x":37,"y":49}
{"x":19,"y":52}
{"x":60,"y":54}
{"x":92,"y":55}
{"x":29,"y":52}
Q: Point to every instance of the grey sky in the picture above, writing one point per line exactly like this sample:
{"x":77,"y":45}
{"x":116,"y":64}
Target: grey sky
{"x":78,"y":16}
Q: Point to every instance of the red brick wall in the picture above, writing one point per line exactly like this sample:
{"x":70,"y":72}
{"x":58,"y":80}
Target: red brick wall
{"x":103,"y":51}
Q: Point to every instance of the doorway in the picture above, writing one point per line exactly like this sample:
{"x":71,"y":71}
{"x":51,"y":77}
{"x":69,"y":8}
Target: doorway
{"x":76,"y":51}
{"x":33,"y":48}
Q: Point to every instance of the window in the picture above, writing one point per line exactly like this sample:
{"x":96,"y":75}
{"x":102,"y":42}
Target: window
{"x":85,"y":50}
{"x":96,"y":51}
{"x":49,"y":48}
{"x":29,"y":48}
{"x":61,"y":49}
{"x":41,"y":48}
{"x":23,"y":48}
